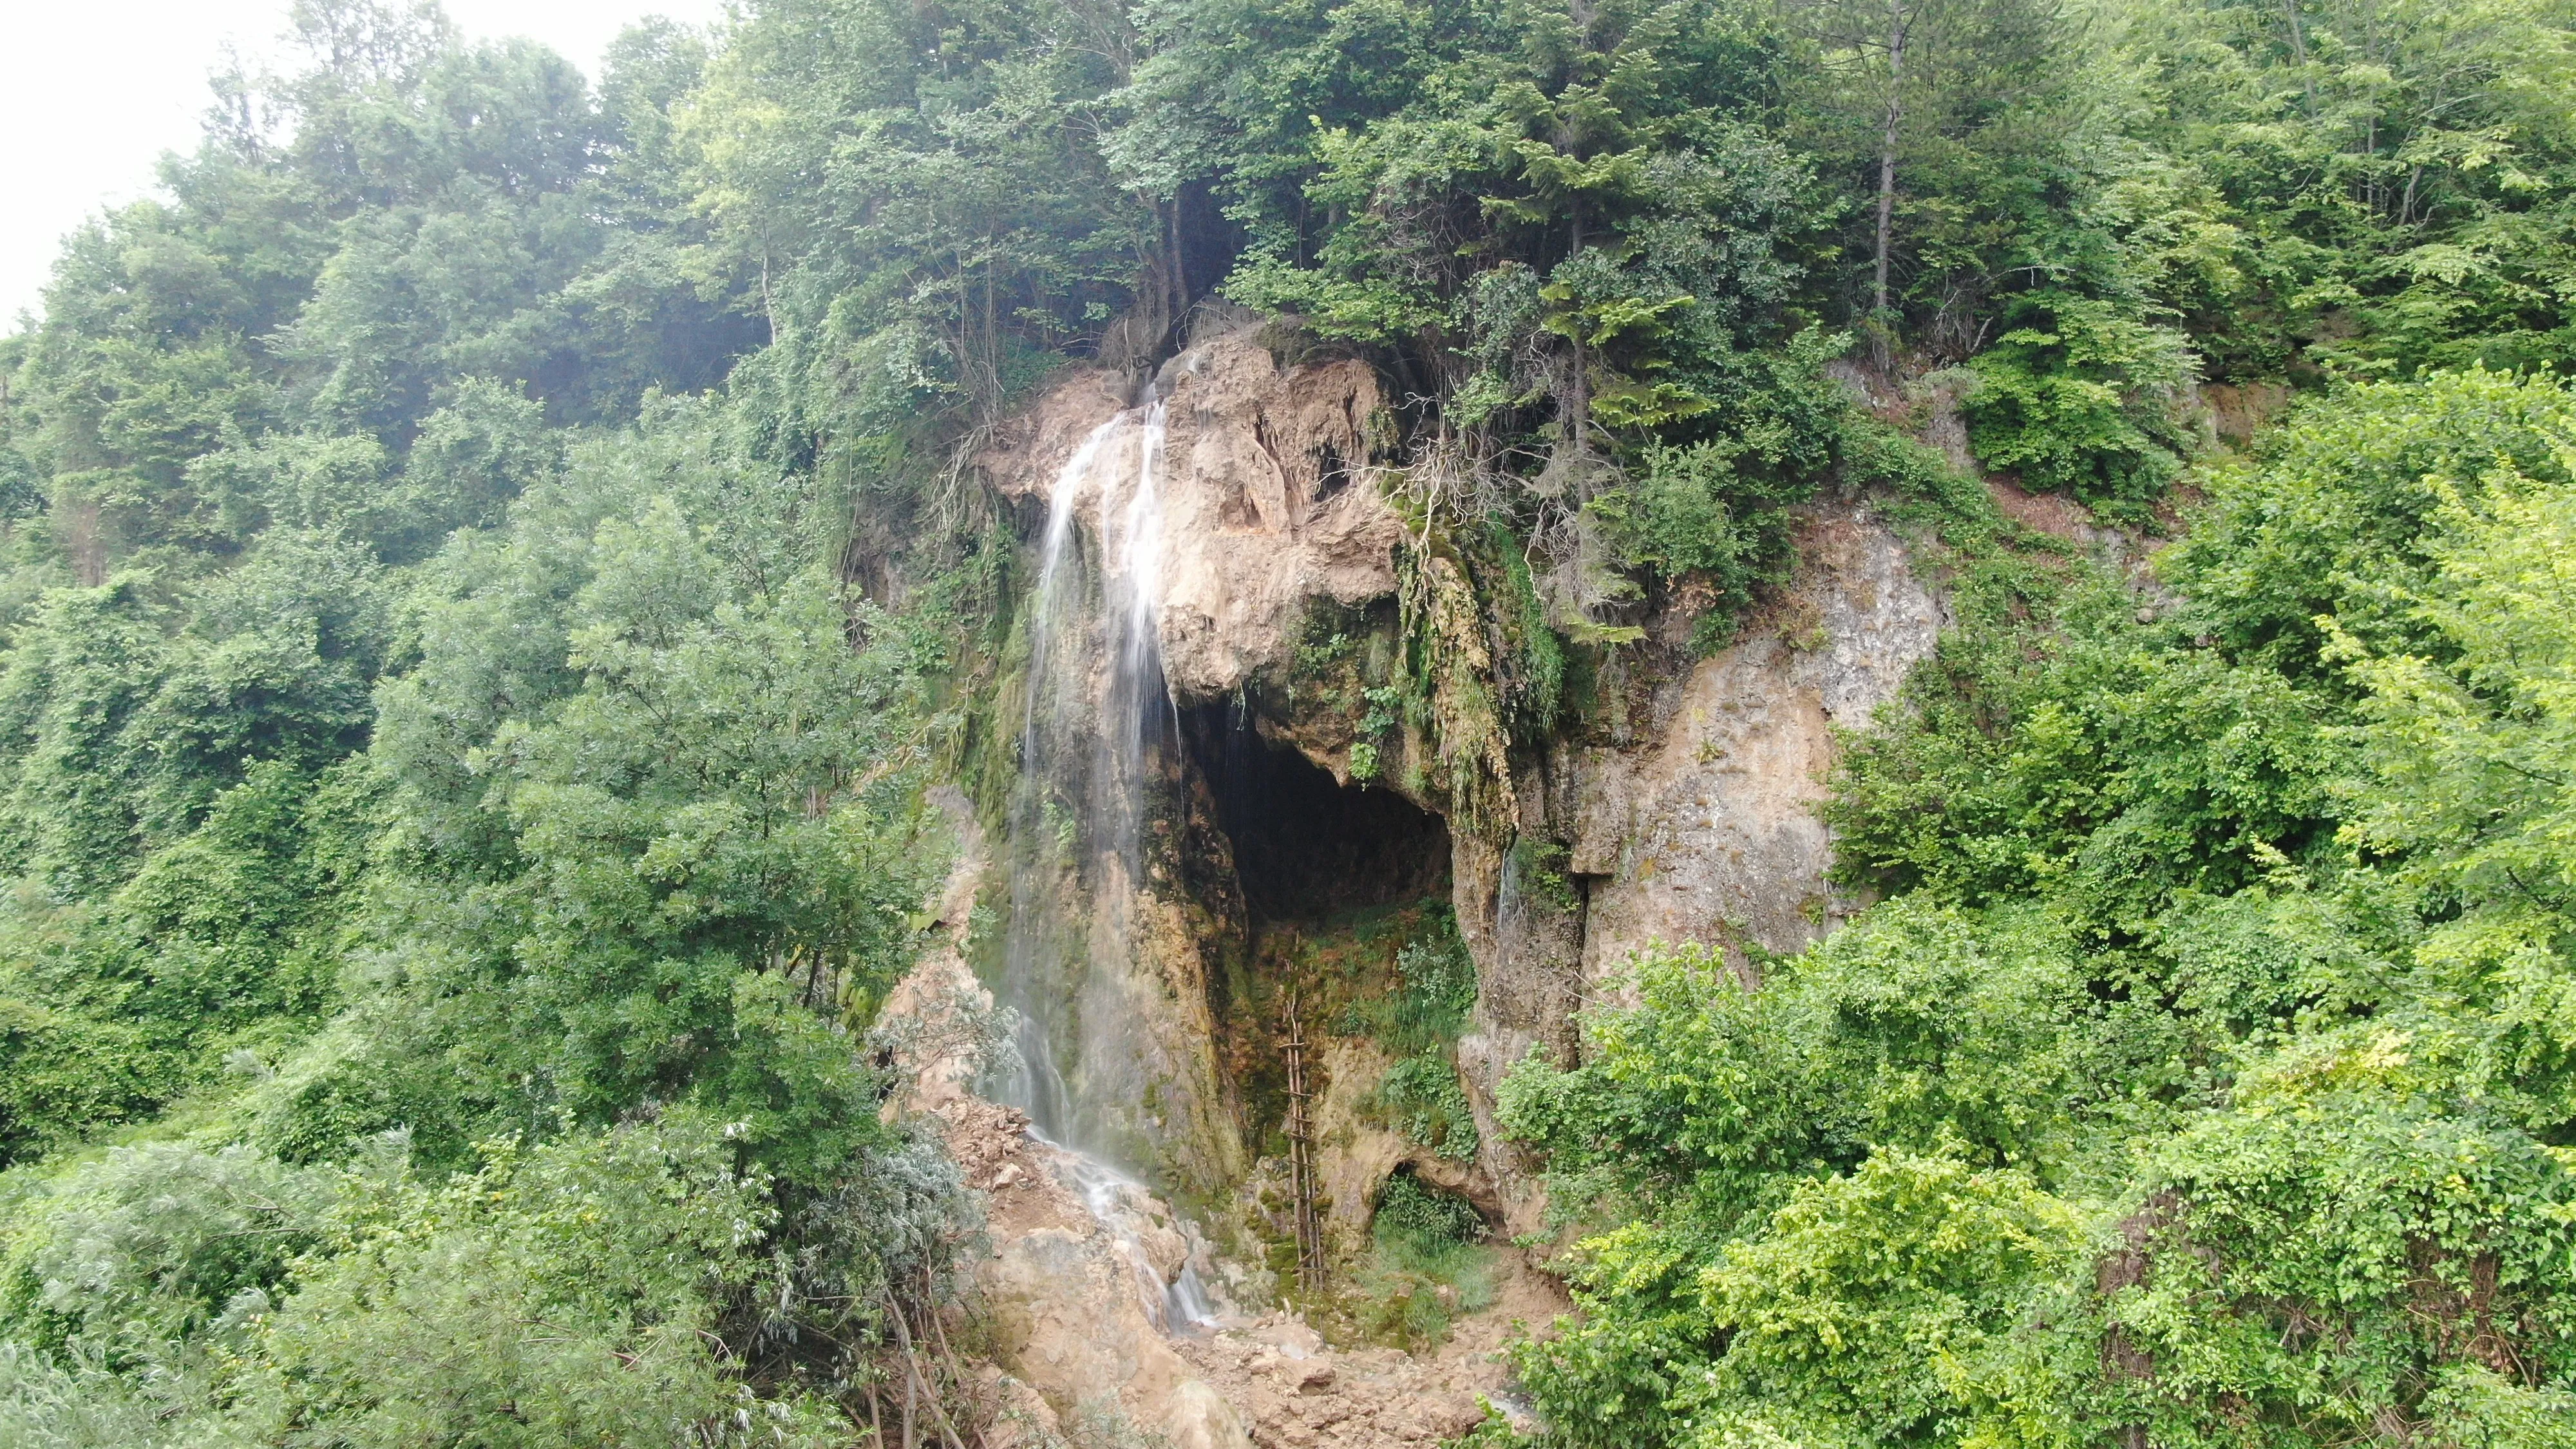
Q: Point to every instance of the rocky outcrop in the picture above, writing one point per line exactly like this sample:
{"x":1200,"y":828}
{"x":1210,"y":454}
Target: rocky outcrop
{"x":1694,"y":820}
{"x":1358,"y":1153}
{"x":1072,"y":1297}
{"x":1707,"y":830}
{"x":1700,"y":825}
{"x":1687,"y":816}
{"x":1266,"y":508}
{"x":1269,"y":504}
{"x":1273,"y":506}
{"x":1295,"y":1392}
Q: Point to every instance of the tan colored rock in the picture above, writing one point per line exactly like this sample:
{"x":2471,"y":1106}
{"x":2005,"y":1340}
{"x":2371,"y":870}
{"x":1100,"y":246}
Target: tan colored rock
{"x":937,"y":1018}
{"x":1073,"y":1306}
{"x":1308,"y":1376}
{"x":1271,"y":502}
{"x":1695,"y":822}
{"x":1022,"y":1416}
{"x":1274,"y":1372}
{"x":1269,"y":494}
{"x":1702,"y":826}
{"x":1290,"y":1337}
{"x":1353,"y":1154}
{"x":1065,"y":1299}
{"x":1198,"y":1417}
{"x":1711,"y":830}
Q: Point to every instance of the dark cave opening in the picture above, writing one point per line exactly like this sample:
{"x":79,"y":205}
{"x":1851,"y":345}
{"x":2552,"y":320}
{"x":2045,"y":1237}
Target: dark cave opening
{"x":1305,"y":846}
{"x":1210,"y":241}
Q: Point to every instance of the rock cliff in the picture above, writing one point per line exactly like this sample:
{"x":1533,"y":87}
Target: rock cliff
{"x":1683,"y":812}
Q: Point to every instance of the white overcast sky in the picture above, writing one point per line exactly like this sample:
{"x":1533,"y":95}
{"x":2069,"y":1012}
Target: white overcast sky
{"x":93,"y":91}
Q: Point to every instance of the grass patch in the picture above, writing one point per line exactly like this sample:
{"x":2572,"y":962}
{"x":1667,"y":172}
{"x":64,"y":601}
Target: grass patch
{"x":1435,"y":988}
{"x":1427,"y":1265}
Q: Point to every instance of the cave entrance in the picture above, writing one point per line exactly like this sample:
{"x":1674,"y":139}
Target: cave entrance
{"x":1332,"y":879}
{"x":1306,"y":847}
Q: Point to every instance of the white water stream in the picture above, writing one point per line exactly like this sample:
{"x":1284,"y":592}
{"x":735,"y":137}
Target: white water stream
{"x":1071,"y":801}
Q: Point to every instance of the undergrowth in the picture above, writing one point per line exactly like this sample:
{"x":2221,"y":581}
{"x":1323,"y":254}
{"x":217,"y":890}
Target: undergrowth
{"x":1418,"y":1023}
{"x":1427,"y":1266}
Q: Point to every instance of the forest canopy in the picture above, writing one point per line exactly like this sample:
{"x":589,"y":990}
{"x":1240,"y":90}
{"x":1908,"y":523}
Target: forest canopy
{"x":490,"y":560}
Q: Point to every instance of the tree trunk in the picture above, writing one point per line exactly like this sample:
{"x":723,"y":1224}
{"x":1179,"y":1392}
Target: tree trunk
{"x":1578,"y":409}
{"x":2299,"y":52}
{"x":1180,"y":262}
{"x":1887,"y":149}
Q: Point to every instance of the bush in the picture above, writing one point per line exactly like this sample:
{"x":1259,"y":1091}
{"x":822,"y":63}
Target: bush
{"x":1423,"y":1219}
{"x":2080,"y":397}
{"x":1421,"y":1096}
{"x":1425,"y":1266}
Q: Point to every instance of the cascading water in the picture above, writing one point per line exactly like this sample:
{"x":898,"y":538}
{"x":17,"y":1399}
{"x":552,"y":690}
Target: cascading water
{"x":1029,"y":1078}
{"x":1139,"y":703}
{"x":1072,"y":803}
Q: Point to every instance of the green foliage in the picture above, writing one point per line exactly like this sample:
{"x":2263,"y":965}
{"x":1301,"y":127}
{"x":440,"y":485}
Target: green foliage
{"x":1422,"y":1218}
{"x":1690,"y":515}
{"x":1424,"y":1267}
{"x":1910,"y":1030}
{"x":2466,"y":746}
{"x":691,"y":826}
{"x":1435,"y":988}
{"x":562,"y":1293}
{"x":1418,"y":1024}
{"x":156,"y":1241}
{"x":416,"y":1328}
{"x":221,"y":947}
{"x":2336,"y":1188}
{"x":1535,"y":667}
{"x":1422,"y":1097}
{"x":2204,"y":1076}
{"x":122,"y":736}
{"x":1538,"y":869}
{"x":454,"y":784}
{"x":2108,"y":758}
{"x":2079,"y":398}
{"x":1883,"y":1305}
{"x":458,"y":803}
{"x":2384,"y":184}
{"x":426,"y":234}
{"x":916,"y":196}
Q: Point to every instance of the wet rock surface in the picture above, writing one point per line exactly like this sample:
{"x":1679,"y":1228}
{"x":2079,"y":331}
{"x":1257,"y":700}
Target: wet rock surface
{"x":1071,"y":1321}
{"x":1070,"y":1298}
{"x":1687,"y":816}
{"x":1270,"y":503}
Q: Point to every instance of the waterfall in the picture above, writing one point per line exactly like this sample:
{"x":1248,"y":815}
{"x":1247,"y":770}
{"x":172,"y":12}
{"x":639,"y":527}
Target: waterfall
{"x":1028,"y":1077}
{"x":1079,"y":812}
{"x":1139,"y":702}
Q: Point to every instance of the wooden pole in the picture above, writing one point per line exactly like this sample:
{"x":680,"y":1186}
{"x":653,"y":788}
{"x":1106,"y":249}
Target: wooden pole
{"x":1301,"y":1157}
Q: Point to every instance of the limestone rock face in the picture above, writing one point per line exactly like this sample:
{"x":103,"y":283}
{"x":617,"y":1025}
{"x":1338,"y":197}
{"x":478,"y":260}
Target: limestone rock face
{"x":1071,"y":1296}
{"x":1684,"y":811}
{"x":1075,"y":1296}
{"x":1357,"y":1154}
{"x":1272,"y":505}
{"x":1692,"y":820}
{"x":1268,"y":496}
{"x":1707,"y":829}
{"x":1699,"y":825}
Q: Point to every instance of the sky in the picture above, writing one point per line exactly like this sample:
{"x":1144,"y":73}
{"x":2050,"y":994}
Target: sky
{"x":93,"y":91}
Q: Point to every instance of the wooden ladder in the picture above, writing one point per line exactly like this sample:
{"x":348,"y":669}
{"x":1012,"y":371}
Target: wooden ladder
{"x":1301,"y":1157}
